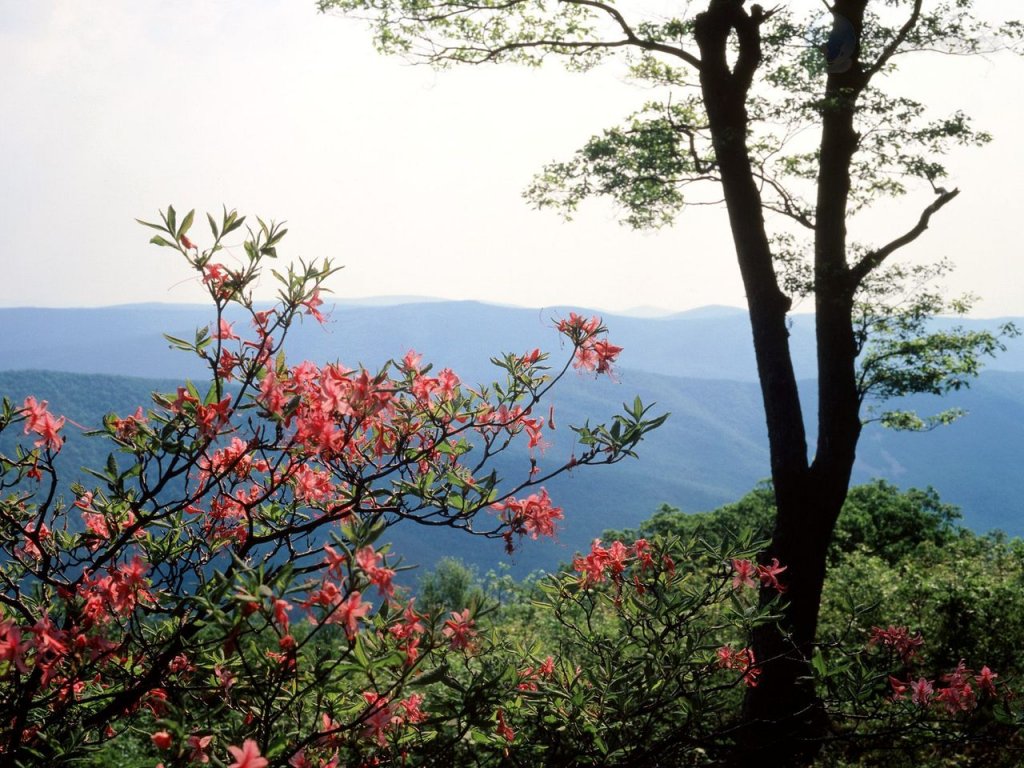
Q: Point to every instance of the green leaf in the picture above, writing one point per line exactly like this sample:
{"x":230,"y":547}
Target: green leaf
{"x":818,"y":662}
{"x":186,"y":224}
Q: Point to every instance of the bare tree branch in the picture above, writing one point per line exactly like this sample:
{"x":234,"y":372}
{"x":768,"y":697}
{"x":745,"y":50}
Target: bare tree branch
{"x":893,"y":46}
{"x":631,"y":37}
{"x":789,"y":207}
{"x":874,"y":259}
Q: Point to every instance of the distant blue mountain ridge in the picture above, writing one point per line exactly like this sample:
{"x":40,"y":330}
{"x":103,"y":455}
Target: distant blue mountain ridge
{"x":707,"y":343}
{"x":697,"y":365}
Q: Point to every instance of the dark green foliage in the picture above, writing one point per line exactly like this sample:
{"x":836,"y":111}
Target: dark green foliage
{"x":899,"y":559}
{"x":877,"y":517}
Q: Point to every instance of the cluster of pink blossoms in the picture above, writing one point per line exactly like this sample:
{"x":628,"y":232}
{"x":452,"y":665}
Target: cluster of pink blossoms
{"x":60,"y":654}
{"x":529,"y":676}
{"x":533,"y":516}
{"x":337,"y":607}
{"x":959,"y":694}
{"x":592,"y":353}
{"x":40,"y":421}
{"x":612,"y":561}
{"x":898,"y":640}
{"x":745,"y":571}
{"x":741,"y":660}
{"x":957,"y":691}
{"x":460,"y":630}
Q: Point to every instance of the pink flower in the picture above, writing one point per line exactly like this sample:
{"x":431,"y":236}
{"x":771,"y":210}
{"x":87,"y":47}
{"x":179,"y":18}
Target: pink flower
{"x":247,"y":756}
{"x":210,"y":418}
{"x":225,"y":332}
{"x":642,"y":550}
{"x":447,"y":382}
{"x":503,"y":728}
{"x":899,"y":688}
{"x":605,"y":354}
{"x":534,"y":431}
{"x":592,"y":567}
{"x":959,"y":695}
{"x":408,"y":632}
{"x":617,"y":554}
{"x":576,"y":327}
{"x":199,"y":745}
{"x":411,"y":361}
{"x":986,"y":679}
{"x":312,"y":305}
{"x":743,"y":660}
{"x":349,"y":613}
{"x":921,"y":692}
{"x":281,"y":608}
{"x":162,"y":739}
{"x":214,"y":274}
{"x":48,"y":638}
{"x":411,"y":710}
{"x":42,"y":422}
{"x":12,"y":648}
{"x":769,"y":575}
{"x":380,"y":577}
{"x":898,"y":640}
{"x":534,"y":515}
{"x":459,"y":630}
{"x":743,"y":574}
{"x":378,"y":718}
{"x":128,"y":427}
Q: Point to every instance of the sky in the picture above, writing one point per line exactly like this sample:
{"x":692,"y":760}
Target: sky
{"x":408,"y":177}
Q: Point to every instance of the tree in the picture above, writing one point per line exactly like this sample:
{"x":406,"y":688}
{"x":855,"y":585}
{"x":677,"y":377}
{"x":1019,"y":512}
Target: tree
{"x":752,"y":82}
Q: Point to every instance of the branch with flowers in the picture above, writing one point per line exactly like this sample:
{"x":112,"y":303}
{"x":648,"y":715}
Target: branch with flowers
{"x":219,"y":585}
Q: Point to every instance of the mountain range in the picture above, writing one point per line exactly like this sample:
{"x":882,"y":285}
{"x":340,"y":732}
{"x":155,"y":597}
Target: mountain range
{"x":696,"y":365}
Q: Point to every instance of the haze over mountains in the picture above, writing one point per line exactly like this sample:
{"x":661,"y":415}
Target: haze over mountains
{"x":697,"y":365}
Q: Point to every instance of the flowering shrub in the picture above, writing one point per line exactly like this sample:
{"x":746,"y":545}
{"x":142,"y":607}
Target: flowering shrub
{"x":220,"y":588}
{"x":635,"y":656}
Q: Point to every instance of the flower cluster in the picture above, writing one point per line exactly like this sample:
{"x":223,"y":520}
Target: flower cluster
{"x":745,"y":571}
{"x":40,"y":421}
{"x":533,"y":516}
{"x":741,"y":660}
{"x":898,"y":640}
{"x":958,"y":691}
{"x":592,"y":353}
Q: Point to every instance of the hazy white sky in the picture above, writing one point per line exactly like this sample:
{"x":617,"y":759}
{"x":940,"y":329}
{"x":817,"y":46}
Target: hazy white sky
{"x":409,"y":177}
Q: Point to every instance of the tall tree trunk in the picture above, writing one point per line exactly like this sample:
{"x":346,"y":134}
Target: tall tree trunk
{"x":783,"y":719}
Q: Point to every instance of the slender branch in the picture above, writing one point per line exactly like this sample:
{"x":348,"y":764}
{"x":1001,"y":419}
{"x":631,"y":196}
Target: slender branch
{"x":874,"y":259}
{"x":896,"y":42}
{"x":490,"y":54}
{"x":631,"y":36}
{"x":487,"y":54}
{"x":789,"y":207}
{"x":701,"y":165}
